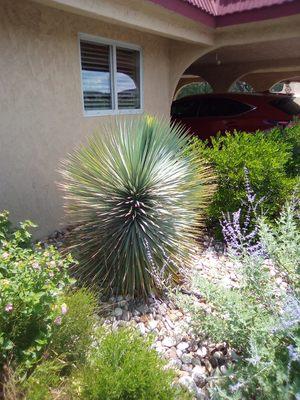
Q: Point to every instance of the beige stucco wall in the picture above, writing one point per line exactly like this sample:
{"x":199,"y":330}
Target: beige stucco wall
{"x":41,"y":117}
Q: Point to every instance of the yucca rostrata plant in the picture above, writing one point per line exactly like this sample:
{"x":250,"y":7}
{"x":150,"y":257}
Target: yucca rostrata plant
{"x":134,"y":197}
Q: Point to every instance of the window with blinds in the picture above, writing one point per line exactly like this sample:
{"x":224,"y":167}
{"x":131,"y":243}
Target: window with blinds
{"x":128,"y":79}
{"x":111,"y":77}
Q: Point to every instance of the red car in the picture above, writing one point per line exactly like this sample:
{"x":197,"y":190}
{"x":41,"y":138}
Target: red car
{"x":207,"y":114}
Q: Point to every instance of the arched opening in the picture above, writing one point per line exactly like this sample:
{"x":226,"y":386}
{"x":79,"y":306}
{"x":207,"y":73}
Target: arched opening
{"x":287,"y":86}
{"x":241,"y":86}
{"x":247,"y":67}
{"x":277,"y":88}
{"x":193,"y":88}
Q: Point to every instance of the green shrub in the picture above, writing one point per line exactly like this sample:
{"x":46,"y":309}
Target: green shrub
{"x":234,"y":318}
{"x":125,"y":368}
{"x":32,"y":282}
{"x":69,"y":346}
{"x":259,"y":319}
{"x":135,"y":200}
{"x":291,"y":136}
{"x":282,"y":243}
{"x":71,"y":341}
{"x":43,"y":382}
{"x":268,"y":159}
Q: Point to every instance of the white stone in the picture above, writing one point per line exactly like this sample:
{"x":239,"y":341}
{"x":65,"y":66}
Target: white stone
{"x":199,"y":369}
{"x":202,"y":351}
{"x":175,"y":363}
{"x":141,"y":327}
{"x":183,"y":346}
{"x":199,"y":375}
{"x":188,"y":382}
{"x":169,"y":341}
{"x":152,"y":324}
{"x":179,"y":353}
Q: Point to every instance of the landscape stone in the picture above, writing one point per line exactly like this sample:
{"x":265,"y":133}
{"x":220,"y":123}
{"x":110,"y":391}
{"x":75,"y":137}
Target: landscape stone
{"x":118,"y":312}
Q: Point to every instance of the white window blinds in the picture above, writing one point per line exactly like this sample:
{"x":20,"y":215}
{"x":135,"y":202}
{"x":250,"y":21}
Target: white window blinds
{"x":111,"y":78}
{"x":96,"y":76}
{"x":128,"y":78}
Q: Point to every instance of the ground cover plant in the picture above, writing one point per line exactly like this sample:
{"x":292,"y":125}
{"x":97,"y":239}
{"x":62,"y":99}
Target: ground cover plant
{"x":120,"y":366}
{"x":260,"y":319}
{"x":52,"y":344}
{"x":135,"y":199}
{"x":124,"y":367}
{"x":272,"y":161}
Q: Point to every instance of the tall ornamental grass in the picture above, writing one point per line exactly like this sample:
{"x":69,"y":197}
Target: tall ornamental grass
{"x":136,"y":200}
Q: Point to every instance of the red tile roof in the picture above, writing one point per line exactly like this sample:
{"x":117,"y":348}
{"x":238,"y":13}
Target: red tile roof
{"x":221,"y":13}
{"x":223,"y":7}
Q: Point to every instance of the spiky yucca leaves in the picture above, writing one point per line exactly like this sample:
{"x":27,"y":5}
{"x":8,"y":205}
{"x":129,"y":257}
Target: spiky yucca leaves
{"x":135,"y":199}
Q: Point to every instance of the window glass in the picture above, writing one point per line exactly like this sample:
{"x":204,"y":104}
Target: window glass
{"x":185,"y":109}
{"x":222,"y":107}
{"x":111,"y":77}
{"x":128,"y":78}
{"x":96,"y":76}
{"x":287,"y":105}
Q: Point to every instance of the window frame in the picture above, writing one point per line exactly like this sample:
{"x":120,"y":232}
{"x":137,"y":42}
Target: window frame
{"x":113,"y":81}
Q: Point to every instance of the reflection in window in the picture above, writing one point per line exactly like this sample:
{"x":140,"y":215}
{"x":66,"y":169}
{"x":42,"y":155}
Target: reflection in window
{"x":111,"y":77}
{"x":96,"y":76}
{"x":128,"y":78}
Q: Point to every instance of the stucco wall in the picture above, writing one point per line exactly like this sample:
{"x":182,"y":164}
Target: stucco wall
{"x":41,"y":116}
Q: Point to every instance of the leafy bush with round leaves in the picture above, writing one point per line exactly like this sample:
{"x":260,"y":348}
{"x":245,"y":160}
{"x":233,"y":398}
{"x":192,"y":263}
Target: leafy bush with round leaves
{"x":32,"y":281}
{"x":135,"y":199}
{"x":268,"y":157}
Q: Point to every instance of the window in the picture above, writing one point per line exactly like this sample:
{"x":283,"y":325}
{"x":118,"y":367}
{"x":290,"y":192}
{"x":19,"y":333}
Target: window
{"x":222,"y":107}
{"x":111,"y":77}
{"x":208,"y":107}
{"x":287,"y":105}
{"x":185,"y":109}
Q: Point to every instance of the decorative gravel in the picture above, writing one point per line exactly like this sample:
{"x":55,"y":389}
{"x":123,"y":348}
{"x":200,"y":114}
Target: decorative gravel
{"x":198,"y":363}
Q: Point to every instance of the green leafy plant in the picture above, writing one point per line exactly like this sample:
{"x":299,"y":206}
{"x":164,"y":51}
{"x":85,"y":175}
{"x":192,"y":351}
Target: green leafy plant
{"x":44,"y":383}
{"x":68,"y":348}
{"x":268,"y":158}
{"x":234,"y":316}
{"x":259,"y":319}
{"x":32,"y":281}
{"x":72,"y":339}
{"x":284,"y":239}
{"x":124,"y":367}
{"x":135,"y":199}
{"x":291,"y":135}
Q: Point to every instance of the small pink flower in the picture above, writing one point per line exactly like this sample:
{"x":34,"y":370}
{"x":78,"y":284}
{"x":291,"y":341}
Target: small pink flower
{"x":5,"y":255}
{"x":58,"y":321}
{"x":36,"y":266}
{"x":52,"y":264}
{"x":9,"y":307}
{"x":64,"y":309}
